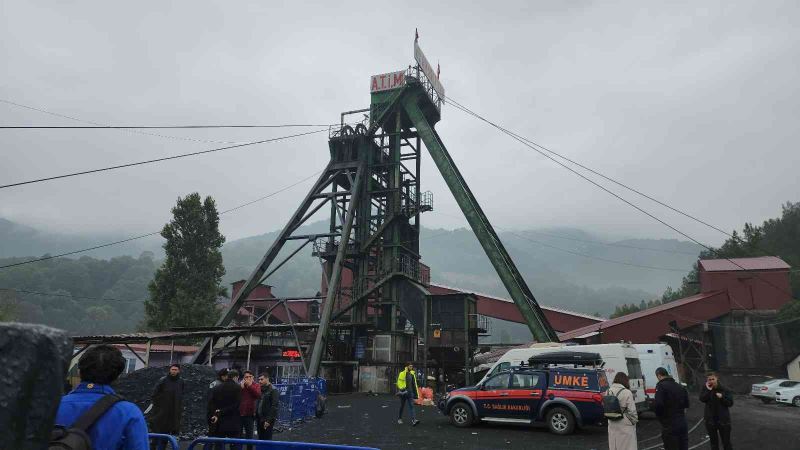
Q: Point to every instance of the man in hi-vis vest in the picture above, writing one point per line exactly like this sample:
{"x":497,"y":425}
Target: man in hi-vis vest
{"x":408,"y":391}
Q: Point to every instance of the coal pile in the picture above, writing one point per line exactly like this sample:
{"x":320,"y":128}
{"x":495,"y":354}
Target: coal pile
{"x":32,"y":363}
{"x":138,"y":387}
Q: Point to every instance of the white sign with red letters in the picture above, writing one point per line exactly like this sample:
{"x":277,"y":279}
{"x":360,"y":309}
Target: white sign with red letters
{"x":387,"y":81}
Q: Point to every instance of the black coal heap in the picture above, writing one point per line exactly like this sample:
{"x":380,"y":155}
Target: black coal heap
{"x":138,"y":387}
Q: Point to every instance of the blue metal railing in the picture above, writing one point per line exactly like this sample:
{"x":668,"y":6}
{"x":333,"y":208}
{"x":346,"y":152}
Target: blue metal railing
{"x":206,"y":443}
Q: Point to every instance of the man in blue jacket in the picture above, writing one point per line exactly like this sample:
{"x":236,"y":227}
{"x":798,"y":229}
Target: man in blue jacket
{"x":122,"y":427}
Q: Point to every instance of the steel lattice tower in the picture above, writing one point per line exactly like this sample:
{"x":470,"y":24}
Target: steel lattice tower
{"x":372,"y":188}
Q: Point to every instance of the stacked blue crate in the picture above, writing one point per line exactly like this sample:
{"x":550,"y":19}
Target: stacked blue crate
{"x":298,"y":399}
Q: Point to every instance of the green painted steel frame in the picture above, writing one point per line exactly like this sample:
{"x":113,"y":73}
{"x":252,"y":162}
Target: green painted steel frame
{"x":413,"y":102}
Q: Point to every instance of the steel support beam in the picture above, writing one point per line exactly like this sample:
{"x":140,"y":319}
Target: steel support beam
{"x":296,"y":338}
{"x":325,"y":179}
{"x":495,"y":251}
{"x":134,"y":354}
{"x":327,"y":309}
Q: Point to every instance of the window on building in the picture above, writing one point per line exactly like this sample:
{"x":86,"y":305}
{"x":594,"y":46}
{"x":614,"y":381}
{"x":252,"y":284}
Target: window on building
{"x":130,"y":365}
{"x":382,"y":350}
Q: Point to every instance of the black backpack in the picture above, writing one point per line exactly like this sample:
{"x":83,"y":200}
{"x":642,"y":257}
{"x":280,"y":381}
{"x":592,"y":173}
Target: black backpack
{"x":612,"y":410}
{"x":77,"y":436}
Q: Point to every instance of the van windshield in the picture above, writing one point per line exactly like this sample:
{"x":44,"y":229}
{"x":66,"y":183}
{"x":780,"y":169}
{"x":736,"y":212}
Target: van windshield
{"x":634,"y":368}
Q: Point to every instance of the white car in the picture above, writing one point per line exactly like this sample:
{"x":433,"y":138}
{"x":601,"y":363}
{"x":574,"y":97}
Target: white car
{"x":789,"y":394}
{"x":766,"y":390}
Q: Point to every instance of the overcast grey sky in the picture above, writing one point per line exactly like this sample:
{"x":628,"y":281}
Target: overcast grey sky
{"x":696,"y":103}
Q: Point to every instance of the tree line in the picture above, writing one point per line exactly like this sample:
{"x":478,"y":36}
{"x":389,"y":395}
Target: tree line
{"x":775,"y":237}
{"x":90,"y":296}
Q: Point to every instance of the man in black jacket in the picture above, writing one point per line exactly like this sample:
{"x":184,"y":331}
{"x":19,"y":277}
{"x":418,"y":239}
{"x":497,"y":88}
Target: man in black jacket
{"x":267,"y":408}
{"x":717,"y":416}
{"x":168,"y":403}
{"x":670,"y":403}
{"x":223,"y":407}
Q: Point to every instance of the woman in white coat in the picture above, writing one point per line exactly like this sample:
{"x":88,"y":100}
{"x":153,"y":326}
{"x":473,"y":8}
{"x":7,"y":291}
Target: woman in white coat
{"x":622,"y":433}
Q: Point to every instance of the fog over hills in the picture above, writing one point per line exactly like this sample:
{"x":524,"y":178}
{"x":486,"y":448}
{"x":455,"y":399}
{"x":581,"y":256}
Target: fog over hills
{"x":565,"y":267}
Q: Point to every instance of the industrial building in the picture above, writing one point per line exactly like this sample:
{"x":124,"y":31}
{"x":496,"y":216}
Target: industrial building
{"x":729,"y":325}
{"x":377,"y":309}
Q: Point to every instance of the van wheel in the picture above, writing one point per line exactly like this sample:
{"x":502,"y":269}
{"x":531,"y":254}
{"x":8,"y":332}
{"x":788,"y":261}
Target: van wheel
{"x":461,"y":415}
{"x":796,"y":401}
{"x":560,"y":421}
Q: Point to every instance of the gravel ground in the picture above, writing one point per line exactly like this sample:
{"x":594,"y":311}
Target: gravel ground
{"x":361,"y":419}
{"x":370,"y":421}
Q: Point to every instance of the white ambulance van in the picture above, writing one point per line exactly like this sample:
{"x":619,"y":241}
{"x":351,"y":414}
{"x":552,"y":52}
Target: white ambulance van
{"x":651,"y":357}
{"x":617,"y":357}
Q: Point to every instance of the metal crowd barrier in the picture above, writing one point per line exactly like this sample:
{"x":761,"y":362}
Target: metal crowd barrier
{"x":206,"y":443}
{"x":299,"y":399}
{"x":160,"y":442}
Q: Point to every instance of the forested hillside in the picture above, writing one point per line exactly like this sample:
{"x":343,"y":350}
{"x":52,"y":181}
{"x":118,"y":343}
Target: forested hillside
{"x":82,"y":296}
{"x":775,"y":237}
{"x":592,"y":284}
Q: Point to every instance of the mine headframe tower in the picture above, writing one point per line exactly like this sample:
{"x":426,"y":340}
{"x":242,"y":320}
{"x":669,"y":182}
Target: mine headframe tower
{"x":372,"y":189}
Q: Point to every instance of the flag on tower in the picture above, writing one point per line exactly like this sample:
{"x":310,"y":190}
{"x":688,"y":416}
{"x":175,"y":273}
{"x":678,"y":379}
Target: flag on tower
{"x":416,"y":35}
{"x":438,"y":69}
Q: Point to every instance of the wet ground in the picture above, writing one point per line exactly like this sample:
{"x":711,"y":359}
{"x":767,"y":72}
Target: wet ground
{"x":370,"y":421}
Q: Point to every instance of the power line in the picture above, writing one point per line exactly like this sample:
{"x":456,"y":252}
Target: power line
{"x":532,"y":145}
{"x":150,"y":161}
{"x":159,"y":127}
{"x":609,"y":244}
{"x":134,"y":129}
{"x":735,"y":326}
{"x":272,"y":193}
{"x":109,"y":244}
{"x":97,"y":124}
{"x":607,"y":190}
{"x":572,"y":252}
{"x":589,"y":169}
{"x":25,"y":291}
{"x":599,"y":258}
{"x":613,"y":244}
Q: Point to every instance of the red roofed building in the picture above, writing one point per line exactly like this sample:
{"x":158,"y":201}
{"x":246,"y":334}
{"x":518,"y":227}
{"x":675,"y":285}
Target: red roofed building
{"x":500,"y":308}
{"x":261,"y":299}
{"x":501,"y":311}
{"x":725,"y":285}
{"x":729,"y":325}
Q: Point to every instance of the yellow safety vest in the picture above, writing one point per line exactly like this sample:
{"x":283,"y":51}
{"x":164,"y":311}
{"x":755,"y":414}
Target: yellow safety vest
{"x":401,"y":381}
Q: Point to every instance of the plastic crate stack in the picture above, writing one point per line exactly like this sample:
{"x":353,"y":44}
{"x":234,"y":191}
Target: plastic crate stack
{"x":298,"y":399}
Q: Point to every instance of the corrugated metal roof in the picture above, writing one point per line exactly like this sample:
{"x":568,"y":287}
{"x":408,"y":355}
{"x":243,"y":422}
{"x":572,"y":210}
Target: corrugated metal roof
{"x":199,"y":332}
{"x":507,"y":300}
{"x":161,"y":348}
{"x":738,"y":264}
{"x":574,"y":334}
